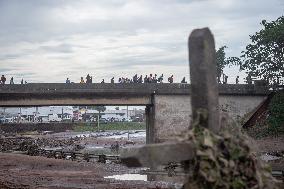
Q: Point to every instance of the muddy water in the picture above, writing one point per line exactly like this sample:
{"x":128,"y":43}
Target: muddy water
{"x":135,"y":134}
{"x":168,"y":183}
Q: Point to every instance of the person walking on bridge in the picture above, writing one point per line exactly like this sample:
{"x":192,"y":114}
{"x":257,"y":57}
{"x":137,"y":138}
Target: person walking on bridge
{"x":146,"y":79}
{"x":140,"y":80}
{"x":135,"y":77}
{"x":160,"y":79}
{"x":183,"y":80}
{"x":112,"y":80}
{"x":237,"y":80}
{"x":3,"y":79}
{"x":67,"y":80}
{"x":88,"y":79}
{"x":12,"y":81}
{"x":82,"y":80}
{"x":171,"y":79}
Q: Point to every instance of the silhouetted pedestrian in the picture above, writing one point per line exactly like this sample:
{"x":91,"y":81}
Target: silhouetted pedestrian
{"x":3,"y":79}
{"x":88,"y":79}
{"x":155,"y":80}
{"x":22,"y":81}
{"x":67,"y":80}
{"x":146,"y":79}
{"x":103,"y":81}
{"x":160,"y":79}
{"x":237,"y":80}
{"x":12,"y":81}
{"x":112,"y":80}
{"x":171,"y":79}
{"x":135,"y":78}
{"x":249,"y":79}
{"x":150,"y":78}
{"x":140,"y":80}
{"x":226,"y":79}
{"x":183,"y":80}
{"x":82,"y":80}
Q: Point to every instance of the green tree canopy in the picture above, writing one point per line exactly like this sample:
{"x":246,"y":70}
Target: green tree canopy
{"x":264,"y":57}
{"x":222,"y":61}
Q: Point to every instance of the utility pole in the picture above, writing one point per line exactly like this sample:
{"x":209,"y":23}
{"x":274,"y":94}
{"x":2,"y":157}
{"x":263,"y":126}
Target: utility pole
{"x":98,"y":122}
{"x":127,"y":121}
{"x":62,"y":115}
{"x":36,"y":114}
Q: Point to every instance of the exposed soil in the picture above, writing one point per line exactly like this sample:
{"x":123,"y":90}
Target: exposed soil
{"x":21,"y":171}
{"x":270,"y":144}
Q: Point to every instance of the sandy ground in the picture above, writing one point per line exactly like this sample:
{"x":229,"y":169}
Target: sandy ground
{"x":270,"y":144}
{"x":21,"y":171}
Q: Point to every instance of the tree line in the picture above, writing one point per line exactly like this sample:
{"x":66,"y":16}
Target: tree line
{"x":263,"y":58}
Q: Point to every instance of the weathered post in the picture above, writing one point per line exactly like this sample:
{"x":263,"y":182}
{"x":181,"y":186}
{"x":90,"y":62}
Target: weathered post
{"x":202,"y":62}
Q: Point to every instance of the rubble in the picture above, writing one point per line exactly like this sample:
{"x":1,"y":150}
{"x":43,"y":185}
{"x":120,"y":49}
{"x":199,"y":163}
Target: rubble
{"x":225,"y":160}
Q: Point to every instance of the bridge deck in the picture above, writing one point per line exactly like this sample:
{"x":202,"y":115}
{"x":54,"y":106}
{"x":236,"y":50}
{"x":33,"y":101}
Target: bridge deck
{"x":41,"y":94}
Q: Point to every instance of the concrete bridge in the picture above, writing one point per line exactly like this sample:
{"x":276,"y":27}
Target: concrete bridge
{"x":168,"y":106}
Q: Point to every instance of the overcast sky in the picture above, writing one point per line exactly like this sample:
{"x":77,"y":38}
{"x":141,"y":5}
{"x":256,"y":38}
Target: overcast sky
{"x":49,"y":40}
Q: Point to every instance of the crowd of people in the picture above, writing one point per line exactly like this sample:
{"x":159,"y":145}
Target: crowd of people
{"x":135,"y":79}
{"x":155,"y":79}
{"x":3,"y":80}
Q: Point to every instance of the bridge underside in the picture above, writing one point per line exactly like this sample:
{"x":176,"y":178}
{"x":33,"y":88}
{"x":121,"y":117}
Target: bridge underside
{"x":20,"y":100}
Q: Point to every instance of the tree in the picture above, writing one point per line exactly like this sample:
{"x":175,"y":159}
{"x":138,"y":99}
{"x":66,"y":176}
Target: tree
{"x":98,"y":108}
{"x":222,"y":61}
{"x":264,"y":57}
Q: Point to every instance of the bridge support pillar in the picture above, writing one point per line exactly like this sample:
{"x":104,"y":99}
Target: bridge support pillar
{"x":150,"y":115}
{"x":172,"y":115}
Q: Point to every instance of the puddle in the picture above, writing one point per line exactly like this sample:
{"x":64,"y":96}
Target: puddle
{"x":124,"y":135}
{"x":55,"y":148}
{"x":267,"y":157}
{"x":94,"y":147}
{"x":139,"y":177}
{"x":128,"y":177}
{"x":140,"y":134}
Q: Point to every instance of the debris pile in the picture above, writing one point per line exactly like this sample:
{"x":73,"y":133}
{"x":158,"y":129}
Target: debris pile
{"x":27,"y":144}
{"x":225,"y":160}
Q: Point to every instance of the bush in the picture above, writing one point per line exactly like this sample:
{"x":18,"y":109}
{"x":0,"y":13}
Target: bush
{"x":276,"y":114}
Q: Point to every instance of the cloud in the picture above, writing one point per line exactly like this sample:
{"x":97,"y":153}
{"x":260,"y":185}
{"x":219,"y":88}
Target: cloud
{"x":47,"y":41}
{"x":62,"y":48}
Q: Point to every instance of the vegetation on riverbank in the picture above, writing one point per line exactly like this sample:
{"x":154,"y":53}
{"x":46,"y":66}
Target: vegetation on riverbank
{"x":271,"y":123}
{"x":110,"y":126}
